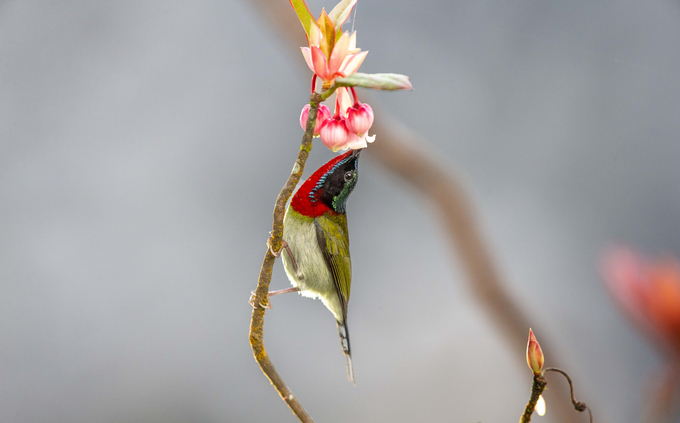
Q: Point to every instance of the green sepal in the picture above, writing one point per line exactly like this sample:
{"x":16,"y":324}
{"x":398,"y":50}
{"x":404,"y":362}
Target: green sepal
{"x":377,"y":81}
{"x":303,"y":14}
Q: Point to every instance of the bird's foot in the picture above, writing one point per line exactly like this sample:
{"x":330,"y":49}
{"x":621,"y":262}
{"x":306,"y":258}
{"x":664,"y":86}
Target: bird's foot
{"x":251,"y":301}
{"x":276,"y":254}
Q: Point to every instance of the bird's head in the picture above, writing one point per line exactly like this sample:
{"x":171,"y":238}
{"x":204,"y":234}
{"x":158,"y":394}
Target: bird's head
{"x":329,"y":187}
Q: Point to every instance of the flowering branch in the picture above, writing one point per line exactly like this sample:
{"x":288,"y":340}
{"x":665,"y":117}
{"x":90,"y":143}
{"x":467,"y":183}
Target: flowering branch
{"x":260,"y":299}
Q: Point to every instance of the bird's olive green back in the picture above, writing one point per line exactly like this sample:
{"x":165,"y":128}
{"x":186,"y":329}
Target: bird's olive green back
{"x":331,"y":231}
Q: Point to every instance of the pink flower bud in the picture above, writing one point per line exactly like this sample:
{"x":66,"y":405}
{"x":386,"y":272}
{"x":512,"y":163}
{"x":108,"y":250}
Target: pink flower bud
{"x":334,"y":133}
{"x":534,"y":354}
{"x":321,"y":117}
{"x":359,"y":119}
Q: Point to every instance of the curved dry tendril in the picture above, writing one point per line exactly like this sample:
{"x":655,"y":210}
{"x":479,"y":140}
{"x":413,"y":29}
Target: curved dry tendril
{"x":578,"y":405}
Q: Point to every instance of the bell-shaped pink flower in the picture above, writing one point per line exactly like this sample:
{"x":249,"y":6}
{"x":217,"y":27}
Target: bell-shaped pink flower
{"x":363,"y":120}
{"x":334,"y":133}
{"x":359,"y":119}
{"x":321,"y":117}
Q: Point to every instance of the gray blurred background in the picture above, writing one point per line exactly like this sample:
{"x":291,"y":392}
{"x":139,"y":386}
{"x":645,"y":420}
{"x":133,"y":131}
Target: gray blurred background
{"x":144,"y":142}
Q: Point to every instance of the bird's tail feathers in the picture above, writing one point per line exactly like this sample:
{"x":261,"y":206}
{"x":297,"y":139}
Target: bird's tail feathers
{"x":343,"y":331}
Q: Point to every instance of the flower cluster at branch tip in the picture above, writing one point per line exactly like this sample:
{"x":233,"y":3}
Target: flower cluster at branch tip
{"x":332,"y":54}
{"x":534,"y":354}
{"x":649,"y":292}
{"x":349,"y":125}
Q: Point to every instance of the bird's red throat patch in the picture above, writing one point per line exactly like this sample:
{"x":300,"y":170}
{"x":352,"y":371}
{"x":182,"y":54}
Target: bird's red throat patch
{"x":306,"y":200}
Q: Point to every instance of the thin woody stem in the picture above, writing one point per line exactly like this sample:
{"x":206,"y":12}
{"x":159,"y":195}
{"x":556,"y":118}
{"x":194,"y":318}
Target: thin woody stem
{"x":275,"y":244}
{"x":578,"y":405}
{"x":537,"y":388}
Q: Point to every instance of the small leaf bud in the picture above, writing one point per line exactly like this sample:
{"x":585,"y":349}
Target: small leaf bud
{"x":534,"y":354}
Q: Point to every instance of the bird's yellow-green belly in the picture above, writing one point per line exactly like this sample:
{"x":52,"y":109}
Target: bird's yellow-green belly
{"x":312,"y":276}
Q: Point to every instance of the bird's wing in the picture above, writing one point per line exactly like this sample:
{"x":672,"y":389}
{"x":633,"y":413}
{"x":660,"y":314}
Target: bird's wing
{"x":331,"y":232}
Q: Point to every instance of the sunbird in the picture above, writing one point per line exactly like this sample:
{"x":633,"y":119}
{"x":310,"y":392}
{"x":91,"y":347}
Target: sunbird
{"x":316,"y":241}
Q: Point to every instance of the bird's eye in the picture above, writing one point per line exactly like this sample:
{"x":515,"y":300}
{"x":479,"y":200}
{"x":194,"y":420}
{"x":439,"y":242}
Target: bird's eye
{"x":348,"y":176}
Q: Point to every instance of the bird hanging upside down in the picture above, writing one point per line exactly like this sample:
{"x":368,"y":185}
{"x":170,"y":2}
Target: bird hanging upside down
{"x":316,"y":241}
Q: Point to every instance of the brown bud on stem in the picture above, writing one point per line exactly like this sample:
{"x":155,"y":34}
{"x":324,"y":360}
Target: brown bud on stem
{"x":534,"y":354}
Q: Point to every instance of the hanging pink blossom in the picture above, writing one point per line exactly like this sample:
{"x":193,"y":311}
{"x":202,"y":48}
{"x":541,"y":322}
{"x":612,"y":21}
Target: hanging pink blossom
{"x":321,"y":117}
{"x":334,"y":133}
{"x":359,"y":118}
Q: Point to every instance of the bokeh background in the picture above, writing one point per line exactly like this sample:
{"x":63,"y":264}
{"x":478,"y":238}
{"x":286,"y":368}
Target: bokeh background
{"x":144,"y":142}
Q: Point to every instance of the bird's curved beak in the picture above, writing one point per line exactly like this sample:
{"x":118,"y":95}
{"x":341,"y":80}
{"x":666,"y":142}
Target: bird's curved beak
{"x":356,"y":153}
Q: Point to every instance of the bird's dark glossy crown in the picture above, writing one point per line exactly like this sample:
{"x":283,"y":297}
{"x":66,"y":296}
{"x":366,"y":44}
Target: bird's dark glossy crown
{"x":329,"y":187}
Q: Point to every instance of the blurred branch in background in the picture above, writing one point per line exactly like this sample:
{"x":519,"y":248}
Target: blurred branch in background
{"x":405,"y":153}
{"x":662,"y":405}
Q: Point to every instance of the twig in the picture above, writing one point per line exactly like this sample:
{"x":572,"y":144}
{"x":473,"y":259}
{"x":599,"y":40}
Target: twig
{"x":537,"y":388}
{"x":579,"y":406}
{"x":275,"y":244}
{"x":405,"y":153}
